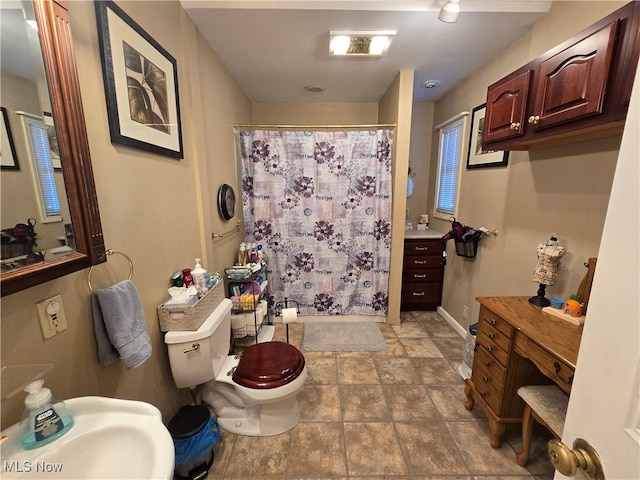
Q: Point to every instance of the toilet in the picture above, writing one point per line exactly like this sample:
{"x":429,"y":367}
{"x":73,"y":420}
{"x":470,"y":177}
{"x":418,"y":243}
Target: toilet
{"x":254,"y":394}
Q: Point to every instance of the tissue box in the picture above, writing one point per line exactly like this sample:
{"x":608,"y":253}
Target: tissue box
{"x":190,"y":317}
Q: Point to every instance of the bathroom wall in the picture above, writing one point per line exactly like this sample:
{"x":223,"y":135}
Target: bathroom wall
{"x":562,"y":189}
{"x":396,"y":107}
{"x":157,"y":210}
{"x":419,"y":155}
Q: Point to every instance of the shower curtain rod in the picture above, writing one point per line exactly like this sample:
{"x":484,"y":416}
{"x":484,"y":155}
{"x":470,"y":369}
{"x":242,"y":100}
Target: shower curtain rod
{"x":355,"y":126}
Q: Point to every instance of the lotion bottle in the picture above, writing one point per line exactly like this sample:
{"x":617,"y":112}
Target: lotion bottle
{"x":199,"y":279}
{"x":44,"y":423}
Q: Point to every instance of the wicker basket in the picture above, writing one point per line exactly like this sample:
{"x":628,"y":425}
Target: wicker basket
{"x":190,"y":317}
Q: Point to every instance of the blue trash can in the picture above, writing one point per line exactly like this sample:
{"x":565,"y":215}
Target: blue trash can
{"x":195,"y":431}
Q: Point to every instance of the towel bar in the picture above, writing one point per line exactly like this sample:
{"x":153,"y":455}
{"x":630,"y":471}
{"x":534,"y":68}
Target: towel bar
{"x":110,"y":252}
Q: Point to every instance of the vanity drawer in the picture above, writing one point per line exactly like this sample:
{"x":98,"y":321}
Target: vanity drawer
{"x":429,"y":275}
{"x":488,"y":345}
{"x":421,"y":292}
{"x":496,"y":338}
{"x":495,"y":321}
{"x":486,"y":371}
{"x":492,"y":396}
{"x":423,"y":247}
{"x":419,"y":263}
{"x":554,"y":368}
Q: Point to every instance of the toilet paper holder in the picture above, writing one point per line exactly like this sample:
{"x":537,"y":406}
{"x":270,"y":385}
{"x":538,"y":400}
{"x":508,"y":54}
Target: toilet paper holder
{"x":279,"y":306}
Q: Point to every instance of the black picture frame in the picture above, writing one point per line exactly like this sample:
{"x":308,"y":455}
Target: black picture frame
{"x":476,"y":156}
{"x":134,"y":64}
{"x":8,"y":156}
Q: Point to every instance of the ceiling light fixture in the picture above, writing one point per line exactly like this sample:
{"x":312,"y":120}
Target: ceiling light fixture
{"x":360,"y":43}
{"x":449,"y":11}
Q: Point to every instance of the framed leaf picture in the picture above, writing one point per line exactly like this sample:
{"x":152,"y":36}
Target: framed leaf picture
{"x":141,"y":85}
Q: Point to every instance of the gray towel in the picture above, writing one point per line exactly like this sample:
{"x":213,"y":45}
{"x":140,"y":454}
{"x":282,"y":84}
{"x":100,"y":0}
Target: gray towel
{"x":120,"y":326}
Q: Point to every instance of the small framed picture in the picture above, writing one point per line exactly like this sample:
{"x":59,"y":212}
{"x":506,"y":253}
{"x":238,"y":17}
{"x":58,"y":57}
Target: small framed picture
{"x":8,"y":157}
{"x":141,"y":85}
{"x":477,"y":157}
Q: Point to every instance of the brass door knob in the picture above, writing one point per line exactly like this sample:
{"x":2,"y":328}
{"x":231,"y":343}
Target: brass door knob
{"x":514,"y":126}
{"x":534,"y":119}
{"x":583,"y":456}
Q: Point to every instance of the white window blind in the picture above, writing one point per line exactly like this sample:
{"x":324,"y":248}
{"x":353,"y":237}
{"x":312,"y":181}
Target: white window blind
{"x":450,"y":152}
{"x":42,"y":167}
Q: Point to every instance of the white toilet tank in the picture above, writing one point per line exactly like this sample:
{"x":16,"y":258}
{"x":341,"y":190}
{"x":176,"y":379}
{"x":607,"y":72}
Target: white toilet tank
{"x":196,"y":356}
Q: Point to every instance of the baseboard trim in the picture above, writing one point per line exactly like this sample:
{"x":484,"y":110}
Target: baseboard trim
{"x":452,"y":321}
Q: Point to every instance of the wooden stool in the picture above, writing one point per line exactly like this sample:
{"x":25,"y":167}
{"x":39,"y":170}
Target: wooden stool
{"x":547,"y":404}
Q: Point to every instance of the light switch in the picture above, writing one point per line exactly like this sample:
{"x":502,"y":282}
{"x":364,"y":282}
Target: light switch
{"x":52,"y":317}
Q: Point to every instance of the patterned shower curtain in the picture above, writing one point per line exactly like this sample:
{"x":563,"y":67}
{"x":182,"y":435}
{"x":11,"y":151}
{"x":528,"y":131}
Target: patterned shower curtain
{"x":319,"y":203}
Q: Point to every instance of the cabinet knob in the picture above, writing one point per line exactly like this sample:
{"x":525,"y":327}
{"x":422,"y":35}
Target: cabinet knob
{"x":482,"y":393}
{"x":534,"y":119}
{"x":515,"y":126}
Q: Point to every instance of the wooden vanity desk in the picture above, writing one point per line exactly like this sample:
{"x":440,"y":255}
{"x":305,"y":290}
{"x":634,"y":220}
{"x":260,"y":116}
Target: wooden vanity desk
{"x":517,"y":344}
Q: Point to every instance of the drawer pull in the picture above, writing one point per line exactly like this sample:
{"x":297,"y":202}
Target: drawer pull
{"x":482,"y":393}
{"x":485,"y":379}
{"x":421,"y":249}
{"x":487,"y":363}
{"x":557,"y":367}
{"x":420,"y":262}
{"x":492,"y":336}
{"x":419,"y":275}
{"x":493,"y":321}
{"x":418,"y":294}
{"x":488,"y":347}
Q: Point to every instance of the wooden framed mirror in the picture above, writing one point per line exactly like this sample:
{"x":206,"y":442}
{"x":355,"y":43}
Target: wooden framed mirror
{"x":54,"y":32}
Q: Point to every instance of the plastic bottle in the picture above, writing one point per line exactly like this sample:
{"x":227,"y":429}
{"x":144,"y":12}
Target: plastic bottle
{"x":187,"y":279}
{"x":242,"y":254}
{"x":44,"y":424}
{"x":199,"y":279}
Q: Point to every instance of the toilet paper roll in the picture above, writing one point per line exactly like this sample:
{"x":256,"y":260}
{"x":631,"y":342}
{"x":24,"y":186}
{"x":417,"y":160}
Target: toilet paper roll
{"x":289,"y":315}
{"x":238,"y":321}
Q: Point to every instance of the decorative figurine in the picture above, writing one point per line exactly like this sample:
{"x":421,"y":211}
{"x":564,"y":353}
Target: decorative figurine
{"x":546,"y":272}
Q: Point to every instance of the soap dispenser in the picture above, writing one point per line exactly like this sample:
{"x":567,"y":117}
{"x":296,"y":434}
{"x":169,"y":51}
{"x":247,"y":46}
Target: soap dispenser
{"x":199,"y":278}
{"x":44,"y":423}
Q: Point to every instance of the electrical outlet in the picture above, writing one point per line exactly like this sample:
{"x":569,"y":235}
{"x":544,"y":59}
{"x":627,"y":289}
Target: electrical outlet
{"x":52,"y":317}
{"x":465,"y":312}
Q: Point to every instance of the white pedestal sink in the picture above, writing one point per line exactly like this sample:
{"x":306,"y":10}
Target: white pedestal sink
{"x":110,"y":439}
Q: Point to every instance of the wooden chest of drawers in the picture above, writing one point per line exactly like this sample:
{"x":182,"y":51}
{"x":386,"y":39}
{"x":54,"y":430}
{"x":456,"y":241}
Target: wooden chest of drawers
{"x":517,"y":345}
{"x":422,"y":274}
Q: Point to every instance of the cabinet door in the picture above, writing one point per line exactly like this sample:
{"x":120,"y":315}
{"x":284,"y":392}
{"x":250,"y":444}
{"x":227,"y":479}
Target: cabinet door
{"x":572,"y":84}
{"x":506,"y":108}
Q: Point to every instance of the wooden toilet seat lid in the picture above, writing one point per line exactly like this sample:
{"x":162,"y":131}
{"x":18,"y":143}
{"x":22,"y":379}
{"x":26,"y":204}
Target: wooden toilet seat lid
{"x":268,"y":365}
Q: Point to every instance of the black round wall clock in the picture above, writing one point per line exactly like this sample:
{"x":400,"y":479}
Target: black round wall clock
{"x":226,"y":201}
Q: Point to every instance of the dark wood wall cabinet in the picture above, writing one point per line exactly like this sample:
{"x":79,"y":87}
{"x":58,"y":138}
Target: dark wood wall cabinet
{"x":581,"y":87}
{"x":422,"y":274}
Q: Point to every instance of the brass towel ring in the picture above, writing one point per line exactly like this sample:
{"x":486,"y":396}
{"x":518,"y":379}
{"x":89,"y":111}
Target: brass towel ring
{"x":110,"y":252}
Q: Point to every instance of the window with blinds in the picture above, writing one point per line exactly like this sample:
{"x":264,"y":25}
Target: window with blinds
{"x":450,"y":153}
{"x":42,"y":167}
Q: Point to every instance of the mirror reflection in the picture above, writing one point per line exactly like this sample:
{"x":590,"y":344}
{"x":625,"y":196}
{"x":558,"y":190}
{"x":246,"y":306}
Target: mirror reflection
{"x":35,"y":218}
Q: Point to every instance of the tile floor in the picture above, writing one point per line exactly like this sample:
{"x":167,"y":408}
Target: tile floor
{"x":396,"y":414}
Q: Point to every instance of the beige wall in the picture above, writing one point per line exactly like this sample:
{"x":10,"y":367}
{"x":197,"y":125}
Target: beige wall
{"x":421,"y":122}
{"x":396,"y":107}
{"x":157,"y":210}
{"x":563,"y":189}
{"x":318,"y":113}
